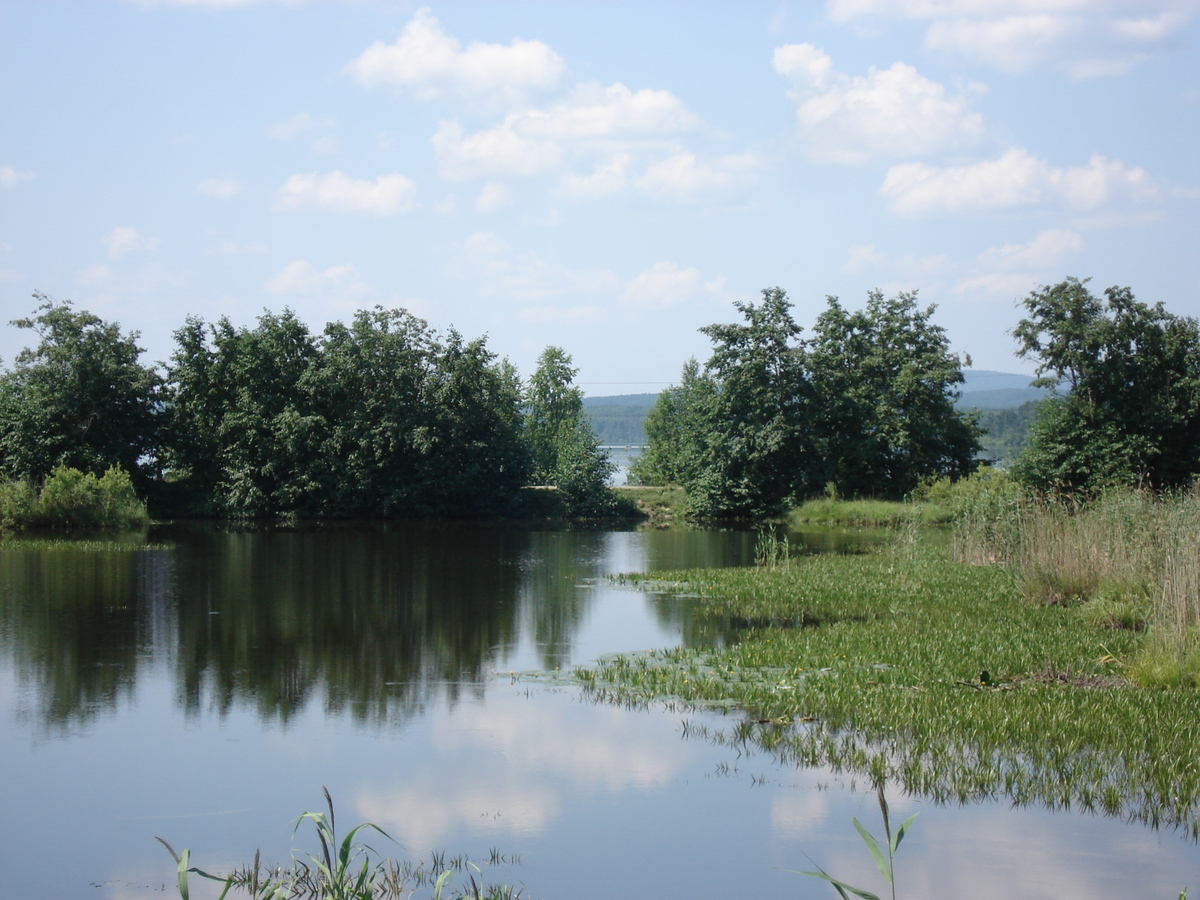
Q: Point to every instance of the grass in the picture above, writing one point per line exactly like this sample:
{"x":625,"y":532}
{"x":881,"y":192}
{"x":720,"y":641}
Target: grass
{"x":661,"y":505}
{"x":347,"y":869}
{"x":909,"y":667}
{"x":869,"y":513}
{"x":1132,"y":559}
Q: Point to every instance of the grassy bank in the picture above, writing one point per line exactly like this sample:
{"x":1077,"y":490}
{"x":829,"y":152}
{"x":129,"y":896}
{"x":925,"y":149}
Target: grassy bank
{"x":935,"y":674}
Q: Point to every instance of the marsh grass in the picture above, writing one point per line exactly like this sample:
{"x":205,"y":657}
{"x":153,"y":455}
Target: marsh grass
{"x":348,"y":869}
{"x":1131,"y":559}
{"x":867,"y":513}
{"x":930,"y":674}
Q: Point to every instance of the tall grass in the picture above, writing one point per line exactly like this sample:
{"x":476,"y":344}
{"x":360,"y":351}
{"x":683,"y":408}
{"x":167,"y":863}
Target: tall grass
{"x":72,"y":499}
{"x":1131,"y":559}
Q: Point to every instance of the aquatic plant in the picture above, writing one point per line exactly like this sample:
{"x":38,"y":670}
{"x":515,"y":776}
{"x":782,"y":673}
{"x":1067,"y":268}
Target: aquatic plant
{"x":933,"y":675}
{"x":346,"y":870}
{"x":885,"y":864}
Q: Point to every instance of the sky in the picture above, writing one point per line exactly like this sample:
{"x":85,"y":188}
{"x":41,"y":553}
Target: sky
{"x":606,"y":177}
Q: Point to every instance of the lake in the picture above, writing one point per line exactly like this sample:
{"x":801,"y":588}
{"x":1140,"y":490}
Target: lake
{"x":203,"y":683}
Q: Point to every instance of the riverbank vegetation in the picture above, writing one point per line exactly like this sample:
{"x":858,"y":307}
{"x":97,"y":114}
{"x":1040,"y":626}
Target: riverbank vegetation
{"x":950,"y":671}
{"x":70,"y":498}
{"x":383,"y":417}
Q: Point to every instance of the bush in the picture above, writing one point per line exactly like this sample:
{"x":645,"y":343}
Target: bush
{"x":73,"y":499}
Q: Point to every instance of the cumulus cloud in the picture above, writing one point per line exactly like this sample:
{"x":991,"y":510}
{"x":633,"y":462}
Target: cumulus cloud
{"x":887,"y":112}
{"x":663,"y":284}
{"x":427,"y":61}
{"x":219,"y":188}
{"x":123,"y":240}
{"x":10,"y":177}
{"x":591,"y":122}
{"x":301,"y":277}
{"x":609,"y":177}
{"x":387,"y":195}
{"x":1047,"y":250}
{"x":501,"y":150}
{"x":1084,"y":39}
{"x":683,"y":175}
{"x":492,"y":197}
{"x":1015,"y":179}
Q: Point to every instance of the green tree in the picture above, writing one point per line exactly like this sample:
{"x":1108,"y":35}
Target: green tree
{"x":563,"y":448}
{"x":753,"y":456}
{"x":243,"y":434}
{"x":1132,"y":411}
{"x":80,"y":398}
{"x":885,"y":384}
{"x":675,"y":430}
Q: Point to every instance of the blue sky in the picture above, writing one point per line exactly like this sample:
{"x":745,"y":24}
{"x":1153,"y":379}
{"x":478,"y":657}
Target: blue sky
{"x":607,"y":177}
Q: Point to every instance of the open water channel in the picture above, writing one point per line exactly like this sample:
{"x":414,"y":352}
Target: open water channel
{"x":205,"y":686}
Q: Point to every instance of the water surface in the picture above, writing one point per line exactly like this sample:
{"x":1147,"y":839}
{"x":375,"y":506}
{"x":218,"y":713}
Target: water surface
{"x":206,"y":688}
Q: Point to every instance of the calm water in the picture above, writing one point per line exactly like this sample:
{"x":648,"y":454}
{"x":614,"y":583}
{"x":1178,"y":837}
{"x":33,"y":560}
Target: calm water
{"x":205,"y":692}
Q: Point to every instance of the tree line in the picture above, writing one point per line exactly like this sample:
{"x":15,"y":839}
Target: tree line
{"x":381,"y":417}
{"x":386,"y":417}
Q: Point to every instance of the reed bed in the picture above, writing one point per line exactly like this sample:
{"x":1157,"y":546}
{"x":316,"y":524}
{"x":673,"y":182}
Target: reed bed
{"x":1130,"y":559}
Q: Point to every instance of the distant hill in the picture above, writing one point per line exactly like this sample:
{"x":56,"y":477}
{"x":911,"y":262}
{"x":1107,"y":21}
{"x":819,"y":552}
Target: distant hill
{"x":619,"y":419}
{"x":984,"y":389}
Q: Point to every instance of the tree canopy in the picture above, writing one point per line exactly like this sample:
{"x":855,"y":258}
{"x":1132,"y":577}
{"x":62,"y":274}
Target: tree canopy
{"x":864,"y":407}
{"x":79,"y":398}
{"x":1131,"y":413}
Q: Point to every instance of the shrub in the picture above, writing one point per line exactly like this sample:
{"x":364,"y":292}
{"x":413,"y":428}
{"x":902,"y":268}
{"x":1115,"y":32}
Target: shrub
{"x":73,"y":499}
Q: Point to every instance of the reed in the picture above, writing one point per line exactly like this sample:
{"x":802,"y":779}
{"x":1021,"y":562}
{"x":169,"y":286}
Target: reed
{"x":347,"y":869}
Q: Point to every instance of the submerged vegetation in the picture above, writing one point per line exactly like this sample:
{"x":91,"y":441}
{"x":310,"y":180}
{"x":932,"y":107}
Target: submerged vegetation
{"x":1015,"y":664}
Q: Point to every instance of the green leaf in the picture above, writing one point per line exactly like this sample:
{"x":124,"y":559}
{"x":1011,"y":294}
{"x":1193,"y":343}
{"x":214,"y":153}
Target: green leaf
{"x":840,"y":886}
{"x":880,"y":860}
{"x":900,"y":832}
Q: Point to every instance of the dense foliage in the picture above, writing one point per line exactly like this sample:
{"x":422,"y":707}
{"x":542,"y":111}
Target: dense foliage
{"x":565,"y":450}
{"x":380,"y":417}
{"x":1132,"y":412}
{"x":80,"y":398}
{"x":863,"y":408}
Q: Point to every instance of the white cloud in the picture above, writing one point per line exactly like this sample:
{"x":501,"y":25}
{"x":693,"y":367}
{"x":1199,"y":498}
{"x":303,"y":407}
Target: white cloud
{"x":542,"y":315}
{"x":427,"y":61}
{"x":1015,"y":179}
{"x":11,"y":177}
{"x":387,"y":195}
{"x":1083,"y":38}
{"x":492,"y":197}
{"x":219,"y":188}
{"x":663,"y":284}
{"x":609,"y":177}
{"x":1010,"y":284}
{"x":861,"y":257}
{"x":296,"y":125}
{"x":497,"y":151}
{"x":611,"y":122}
{"x":526,"y":276}
{"x":887,"y":112}
{"x":123,"y":240}
{"x":1047,"y":250}
{"x":300,"y":277}
{"x":683,"y":175}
